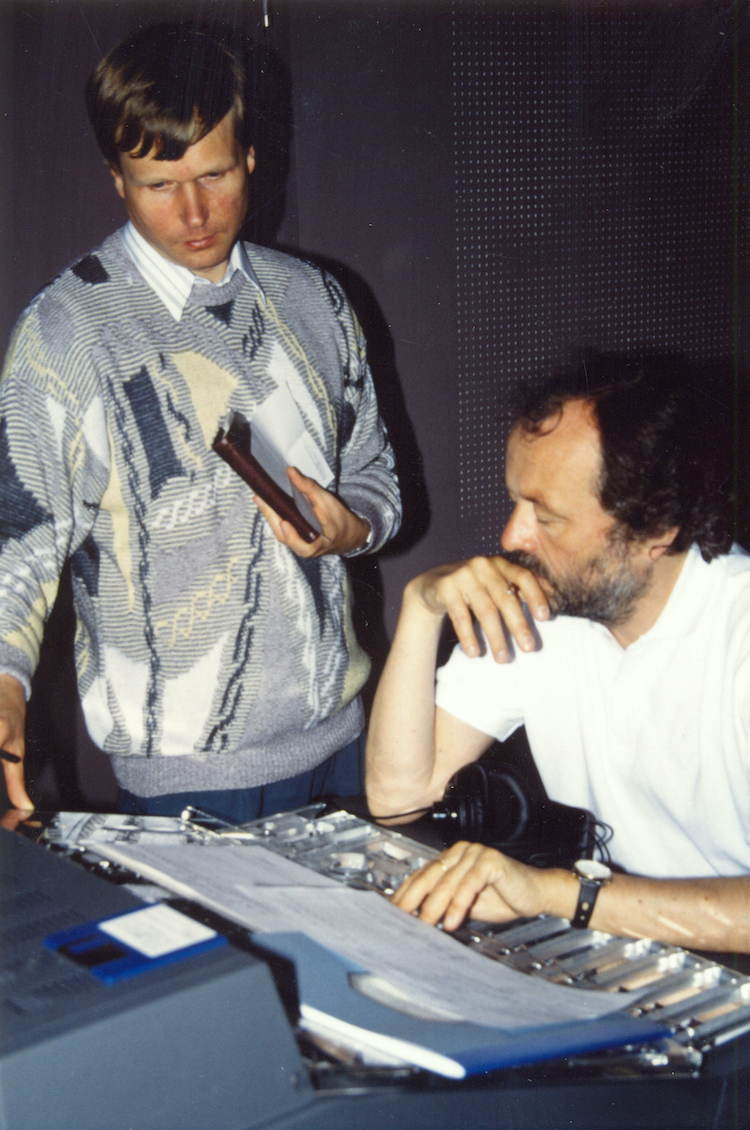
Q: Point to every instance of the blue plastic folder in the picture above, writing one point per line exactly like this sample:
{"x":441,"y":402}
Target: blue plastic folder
{"x":331,"y":1004}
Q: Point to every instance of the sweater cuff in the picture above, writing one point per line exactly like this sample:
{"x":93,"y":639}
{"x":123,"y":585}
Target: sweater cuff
{"x":367,"y":546}
{"x":22,"y":676}
{"x":384,"y":522}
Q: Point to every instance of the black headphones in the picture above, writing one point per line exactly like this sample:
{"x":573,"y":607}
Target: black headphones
{"x":492,"y":805}
{"x":477,"y":805}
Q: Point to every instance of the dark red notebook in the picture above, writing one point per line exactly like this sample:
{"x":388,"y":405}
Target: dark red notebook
{"x":233,"y":445}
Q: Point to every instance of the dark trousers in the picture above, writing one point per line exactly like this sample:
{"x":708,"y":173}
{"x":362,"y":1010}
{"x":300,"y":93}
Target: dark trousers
{"x":341,"y":774}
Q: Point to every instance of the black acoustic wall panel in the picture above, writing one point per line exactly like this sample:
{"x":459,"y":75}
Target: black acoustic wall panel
{"x":601,"y":201}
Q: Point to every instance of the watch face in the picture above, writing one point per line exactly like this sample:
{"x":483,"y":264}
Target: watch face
{"x":592,"y":869}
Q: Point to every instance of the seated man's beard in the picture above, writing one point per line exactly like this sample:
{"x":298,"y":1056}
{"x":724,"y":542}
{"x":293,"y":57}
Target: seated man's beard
{"x":605,"y":590}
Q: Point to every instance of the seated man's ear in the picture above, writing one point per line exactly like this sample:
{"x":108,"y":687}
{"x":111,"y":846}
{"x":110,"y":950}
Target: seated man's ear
{"x":250,"y":159}
{"x":660,"y":543}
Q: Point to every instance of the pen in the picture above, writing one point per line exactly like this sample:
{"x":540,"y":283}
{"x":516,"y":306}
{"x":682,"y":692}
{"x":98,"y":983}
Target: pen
{"x":8,"y":756}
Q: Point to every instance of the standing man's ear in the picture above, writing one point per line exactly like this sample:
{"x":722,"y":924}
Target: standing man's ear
{"x":117,"y":178}
{"x":249,"y":160}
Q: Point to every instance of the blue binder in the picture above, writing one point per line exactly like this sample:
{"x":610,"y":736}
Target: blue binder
{"x":456,"y":1049}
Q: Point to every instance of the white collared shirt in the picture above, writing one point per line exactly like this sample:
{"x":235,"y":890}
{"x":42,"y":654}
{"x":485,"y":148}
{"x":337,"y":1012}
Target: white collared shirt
{"x":171,"y":282}
{"x":652,"y":738}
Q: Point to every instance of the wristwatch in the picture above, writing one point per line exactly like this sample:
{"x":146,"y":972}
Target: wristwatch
{"x":591,"y":875}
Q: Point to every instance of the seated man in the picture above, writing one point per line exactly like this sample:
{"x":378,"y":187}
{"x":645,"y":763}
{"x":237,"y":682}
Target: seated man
{"x":633,"y":678}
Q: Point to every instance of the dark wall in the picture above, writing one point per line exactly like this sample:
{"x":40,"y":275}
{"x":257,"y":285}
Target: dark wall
{"x":602,"y":201}
{"x":373,"y":183}
{"x":495,"y":185}
{"x":516,"y":181}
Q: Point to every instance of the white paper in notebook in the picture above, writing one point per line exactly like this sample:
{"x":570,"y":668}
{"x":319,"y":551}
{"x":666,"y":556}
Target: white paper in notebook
{"x":280,"y":437}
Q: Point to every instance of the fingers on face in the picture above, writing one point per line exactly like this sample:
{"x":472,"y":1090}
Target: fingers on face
{"x":494,"y":600}
{"x":506,"y":597}
{"x":528,"y":588}
{"x":460,"y":617}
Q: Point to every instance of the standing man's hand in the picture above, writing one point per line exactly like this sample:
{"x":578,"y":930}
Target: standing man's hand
{"x":343,"y":531}
{"x":12,"y":723}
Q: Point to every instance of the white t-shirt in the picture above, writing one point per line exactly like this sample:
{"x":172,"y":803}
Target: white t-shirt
{"x":654,"y":739}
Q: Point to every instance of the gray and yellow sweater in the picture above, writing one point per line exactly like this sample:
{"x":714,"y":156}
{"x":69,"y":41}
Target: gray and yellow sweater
{"x":208,"y":655}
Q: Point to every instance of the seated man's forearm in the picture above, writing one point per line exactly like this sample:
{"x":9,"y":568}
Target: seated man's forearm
{"x":702,"y":914}
{"x":470,"y":880}
{"x":401,"y":732}
{"x":414,"y":750}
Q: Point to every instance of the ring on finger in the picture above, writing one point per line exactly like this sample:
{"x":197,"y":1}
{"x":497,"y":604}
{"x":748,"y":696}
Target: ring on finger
{"x":512,"y":590}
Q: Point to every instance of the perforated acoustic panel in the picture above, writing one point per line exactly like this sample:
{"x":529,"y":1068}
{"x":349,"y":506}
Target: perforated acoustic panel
{"x":596,"y":201}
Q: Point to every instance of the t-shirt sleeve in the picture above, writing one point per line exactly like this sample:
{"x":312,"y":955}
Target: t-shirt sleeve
{"x":481,"y":692}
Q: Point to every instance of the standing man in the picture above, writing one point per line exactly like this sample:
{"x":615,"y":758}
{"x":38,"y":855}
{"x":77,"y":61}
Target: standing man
{"x":635,"y":692}
{"x":216,"y":659}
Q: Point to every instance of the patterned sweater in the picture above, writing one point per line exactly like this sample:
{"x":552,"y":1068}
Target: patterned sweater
{"x":208,"y":655}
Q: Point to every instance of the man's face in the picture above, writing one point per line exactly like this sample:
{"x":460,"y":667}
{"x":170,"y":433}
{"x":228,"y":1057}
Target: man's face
{"x":558,"y":528}
{"x":190,"y":210}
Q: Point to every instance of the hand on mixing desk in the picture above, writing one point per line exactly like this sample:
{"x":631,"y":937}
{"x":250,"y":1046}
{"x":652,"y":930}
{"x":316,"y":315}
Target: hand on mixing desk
{"x":472,"y":881}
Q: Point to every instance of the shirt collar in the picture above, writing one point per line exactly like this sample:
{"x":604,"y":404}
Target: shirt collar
{"x":681,"y":609}
{"x":685,"y":604}
{"x":171,"y":282}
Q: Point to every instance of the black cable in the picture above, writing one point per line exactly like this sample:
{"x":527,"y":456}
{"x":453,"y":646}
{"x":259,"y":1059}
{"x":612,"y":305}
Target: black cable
{"x":398,"y":815}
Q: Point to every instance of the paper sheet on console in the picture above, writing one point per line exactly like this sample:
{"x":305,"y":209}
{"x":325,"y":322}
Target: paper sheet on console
{"x":265,"y":891}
